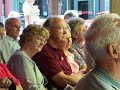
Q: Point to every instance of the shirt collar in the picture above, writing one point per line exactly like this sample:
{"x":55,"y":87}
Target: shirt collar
{"x":10,"y":38}
{"x":106,"y":77}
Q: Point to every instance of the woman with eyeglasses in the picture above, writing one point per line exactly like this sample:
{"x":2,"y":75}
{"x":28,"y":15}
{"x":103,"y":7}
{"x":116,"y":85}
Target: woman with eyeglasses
{"x":33,"y":38}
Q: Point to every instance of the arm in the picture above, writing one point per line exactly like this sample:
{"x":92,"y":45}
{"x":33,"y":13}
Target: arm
{"x":26,"y":10}
{"x":62,"y":79}
{"x":28,"y":74}
{"x":10,"y":76}
{"x":27,"y":22}
{"x":84,"y":67}
{"x":19,"y":87}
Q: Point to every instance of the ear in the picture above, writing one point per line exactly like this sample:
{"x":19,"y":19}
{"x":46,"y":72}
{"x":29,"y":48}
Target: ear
{"x":113,"y":51}
{"x":75,"y":36}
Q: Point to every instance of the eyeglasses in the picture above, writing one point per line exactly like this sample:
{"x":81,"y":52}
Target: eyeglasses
{"x":18,"y":27}
{"x":61,"y":29}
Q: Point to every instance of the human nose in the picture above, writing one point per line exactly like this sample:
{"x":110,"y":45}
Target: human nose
{"x":64,"y":31}
{"x":44,"y":41}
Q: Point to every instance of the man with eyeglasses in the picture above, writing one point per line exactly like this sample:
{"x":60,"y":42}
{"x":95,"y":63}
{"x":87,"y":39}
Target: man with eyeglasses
{"x":9,"y":44}
{"x":51,"y":60}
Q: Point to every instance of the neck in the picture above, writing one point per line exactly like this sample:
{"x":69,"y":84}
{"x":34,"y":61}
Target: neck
{"x":28,"y":51}
{"x":52,"y":43}
{"x":113,"y":69}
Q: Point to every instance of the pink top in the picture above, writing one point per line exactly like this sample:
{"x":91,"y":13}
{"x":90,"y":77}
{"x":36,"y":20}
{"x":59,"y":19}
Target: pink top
{"x":70,"y":59}
{"x":4,"y":73}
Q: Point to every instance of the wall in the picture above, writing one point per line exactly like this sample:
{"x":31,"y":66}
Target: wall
{"x":115,"y":6}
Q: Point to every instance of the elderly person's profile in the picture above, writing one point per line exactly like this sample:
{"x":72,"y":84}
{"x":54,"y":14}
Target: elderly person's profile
{"x":77,"y":30}
{"x":102,"y":41}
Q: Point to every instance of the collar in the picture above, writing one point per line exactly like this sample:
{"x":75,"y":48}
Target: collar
{"x":9,"y":38}
{"x":106,"y":77}
{"x":55,"y":49}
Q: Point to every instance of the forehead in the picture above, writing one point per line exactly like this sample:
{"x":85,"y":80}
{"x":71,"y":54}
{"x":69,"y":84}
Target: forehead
{"x":13,"y":21}
{"x":58,"y":23}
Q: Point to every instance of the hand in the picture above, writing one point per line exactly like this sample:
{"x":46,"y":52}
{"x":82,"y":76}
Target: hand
{"x":5,"y":83}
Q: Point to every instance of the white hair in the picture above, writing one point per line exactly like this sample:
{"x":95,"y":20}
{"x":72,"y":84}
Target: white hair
{"x":14,"y":14}
{"x":105,"y":29}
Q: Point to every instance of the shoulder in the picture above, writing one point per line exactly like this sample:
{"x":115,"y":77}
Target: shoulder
{"x":17,"y":57}
{"x":2,"y":65}
{"x":46,"y":52}
{"x":93,"y":82}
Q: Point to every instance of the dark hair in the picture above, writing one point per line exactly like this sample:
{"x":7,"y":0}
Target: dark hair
{"x":1,"y":24}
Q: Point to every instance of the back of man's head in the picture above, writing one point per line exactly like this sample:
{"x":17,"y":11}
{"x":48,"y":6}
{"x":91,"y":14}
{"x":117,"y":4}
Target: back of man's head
{"x":104,"y":30}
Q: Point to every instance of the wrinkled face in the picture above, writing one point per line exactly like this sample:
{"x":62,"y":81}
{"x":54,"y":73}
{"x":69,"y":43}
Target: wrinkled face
{"x":79,"y":35}
{"x":13,"y":29}
{"x":37,"y":43}
{"x":68,"y":40}
{"x":59,"y":32}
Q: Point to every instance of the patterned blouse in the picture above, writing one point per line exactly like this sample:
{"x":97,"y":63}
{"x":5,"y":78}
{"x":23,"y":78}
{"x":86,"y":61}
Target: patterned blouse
{"x":78,"y":54}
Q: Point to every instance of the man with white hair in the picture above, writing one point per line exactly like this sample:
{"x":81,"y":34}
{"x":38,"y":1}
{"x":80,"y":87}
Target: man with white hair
{"x":102,"y":41}
{"x":14,"y":14}
{"x":9,"y":44}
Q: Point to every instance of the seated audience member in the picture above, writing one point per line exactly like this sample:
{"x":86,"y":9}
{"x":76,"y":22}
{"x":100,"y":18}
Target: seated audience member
{"x":7,"y":80}
{"x":9,"y":44}
{"x":2,"y":30}
{"x":77,"y":28}
{"x":21,"y":65}
{"x":52,"y":60}
{"x":102,"y":41}
{"x":70,"y":57}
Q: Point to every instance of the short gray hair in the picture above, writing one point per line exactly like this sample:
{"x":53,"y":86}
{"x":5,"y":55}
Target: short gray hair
{"x":105,"y":29}
{"x":74,"y":23}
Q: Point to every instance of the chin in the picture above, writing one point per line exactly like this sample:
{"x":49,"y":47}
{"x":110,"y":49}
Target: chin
{"x":39,"y":49}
